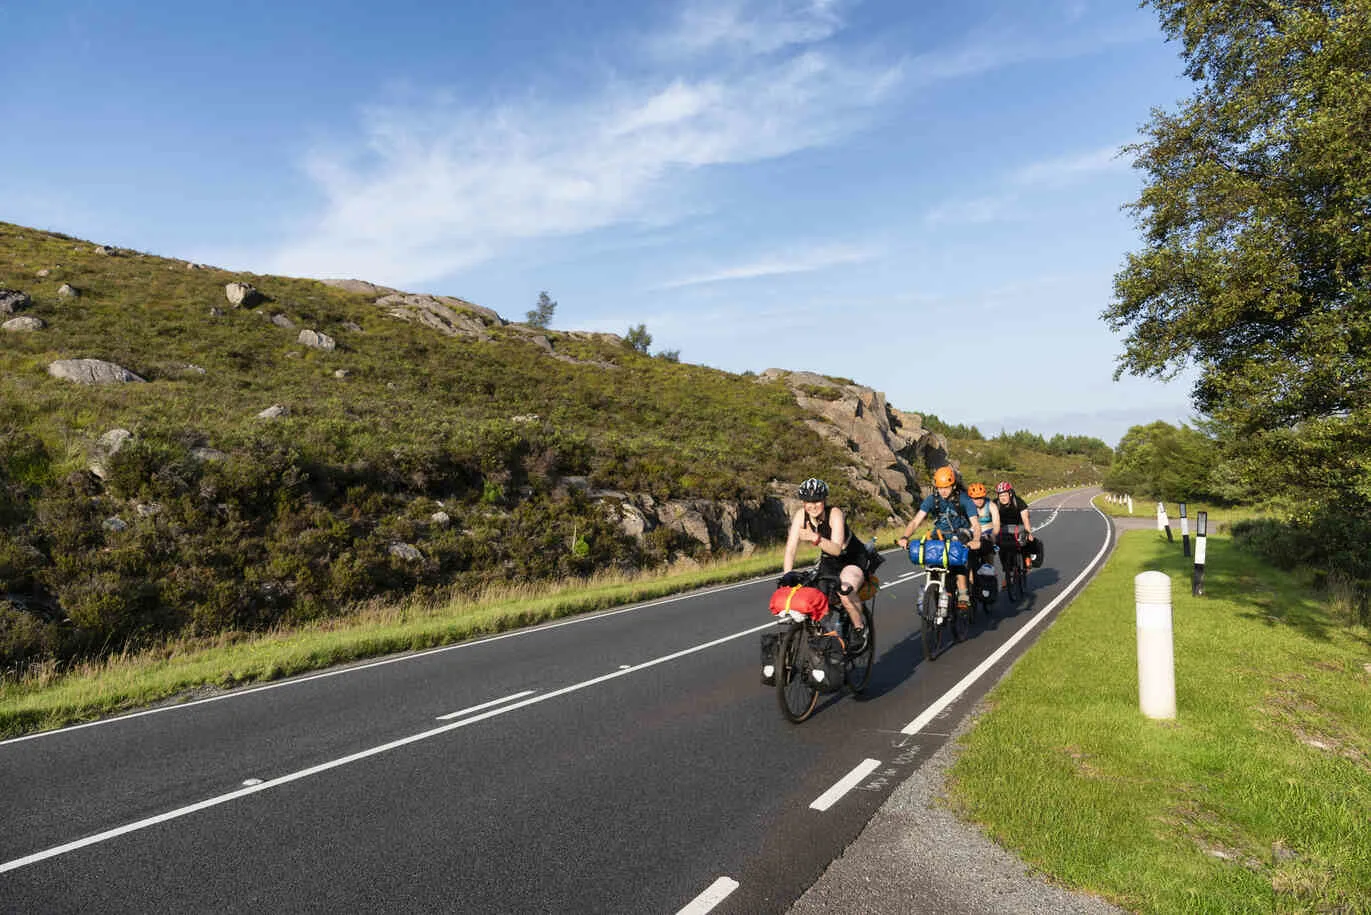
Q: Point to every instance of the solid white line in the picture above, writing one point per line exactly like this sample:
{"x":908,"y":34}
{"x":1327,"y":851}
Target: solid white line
{"x":296,"y":681}
{"x":363,"y":754}
{"x":485,"y":705}
{"x":845,"y":784}
{"x":718,"y":891}
{"x":951,"y":696}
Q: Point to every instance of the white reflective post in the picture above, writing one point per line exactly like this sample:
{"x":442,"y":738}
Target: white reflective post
{"x":1163,"y":523}
{"x":1130,"y":504}
{"x":1156,"y":660}
{"x":1197,"y":576}
{"x":1185,"y":532}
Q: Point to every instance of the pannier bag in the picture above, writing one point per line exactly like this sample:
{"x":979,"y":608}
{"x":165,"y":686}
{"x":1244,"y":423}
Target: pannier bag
{"x":810,"y":601}
{"x":771,"y":644}
{"x":826,"y":662}
{"x":945,"y":553}
{"x":869,"y":588}
{"x":1034,"y":548}
{"x":987,"y":582}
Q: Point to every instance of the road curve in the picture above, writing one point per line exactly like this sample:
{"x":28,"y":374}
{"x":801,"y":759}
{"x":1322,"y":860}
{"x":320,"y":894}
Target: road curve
{"x":626,"y":761}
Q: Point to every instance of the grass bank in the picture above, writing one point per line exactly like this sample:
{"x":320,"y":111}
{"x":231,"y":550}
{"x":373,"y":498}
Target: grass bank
{"x":1255,"y":799}
{"x":1220,"y":517}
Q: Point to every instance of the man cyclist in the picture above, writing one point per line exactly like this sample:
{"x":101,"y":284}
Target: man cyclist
{"x":950,"y":514}
{"x":1013,"y":516}
{"x":841,"y":554}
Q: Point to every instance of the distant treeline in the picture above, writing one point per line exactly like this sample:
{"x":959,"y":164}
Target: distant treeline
{"x":1088,"y":447}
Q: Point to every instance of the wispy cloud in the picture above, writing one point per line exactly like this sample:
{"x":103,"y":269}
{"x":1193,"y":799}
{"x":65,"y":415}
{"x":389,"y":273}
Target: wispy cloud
{"x":1064,"y":170}
{"x":975,"y":211}
{"x":429,"y":191}
{"x":775,"y":265}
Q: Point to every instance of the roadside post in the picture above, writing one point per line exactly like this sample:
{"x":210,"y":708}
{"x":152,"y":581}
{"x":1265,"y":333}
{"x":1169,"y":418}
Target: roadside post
{"x":1163,"y":523}
{"x":1156,"y":657}
{"x":1130,"y":504}
{"x":1185,"y":532}
{"x":1197,"y":576}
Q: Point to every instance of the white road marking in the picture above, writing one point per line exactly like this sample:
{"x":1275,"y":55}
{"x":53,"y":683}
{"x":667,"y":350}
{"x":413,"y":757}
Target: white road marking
{"x":845,"y":784}
{"x":484,"y":705}
{"x":360,"y":755}
{"x":953,"y":694}
{"x":718,"y":891}
{"x":295,"y":681}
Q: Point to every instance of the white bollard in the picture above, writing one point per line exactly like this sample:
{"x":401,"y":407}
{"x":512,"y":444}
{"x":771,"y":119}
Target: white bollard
{"x":1130,"y":504}
{"x":1156,"y":660}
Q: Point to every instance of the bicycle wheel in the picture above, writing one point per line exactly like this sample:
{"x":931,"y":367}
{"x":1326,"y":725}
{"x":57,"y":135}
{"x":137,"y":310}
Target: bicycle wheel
{"x":932,"y":634}
{"x":1013,"y":584}
{"x":859,"y":665}
{"x":796,"y":695}
{"x":961,"y":623}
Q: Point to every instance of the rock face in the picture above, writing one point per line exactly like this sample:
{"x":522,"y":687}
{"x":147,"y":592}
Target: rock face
{"x":444,"y":314}
{"x":715,"y":525}
{"x":13,"y":301}
{"x":91,"y":371}
{"x":890,"y":445}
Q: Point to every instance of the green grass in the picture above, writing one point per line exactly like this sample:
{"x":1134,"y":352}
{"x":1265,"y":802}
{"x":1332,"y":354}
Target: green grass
{"x":1255,"y":799}
{"x":182,"y":668}
{"x":1220,"y":517}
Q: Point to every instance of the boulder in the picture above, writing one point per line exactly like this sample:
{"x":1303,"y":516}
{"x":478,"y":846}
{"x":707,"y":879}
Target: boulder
{"x":317,"y":340}
{"x":91,"y":371}
{"x":275,"y":411}
{"x":282,"y":321}
{"x":68,"y":291}
{"x":106,"y":447}
{"x":243,"y":295}
{"x":13,"y":301}
{"x":406,"y":552}
{"x":23,"y":323}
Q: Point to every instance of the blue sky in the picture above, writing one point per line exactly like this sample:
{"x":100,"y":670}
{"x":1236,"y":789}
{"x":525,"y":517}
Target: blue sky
{"x":925,"y":197}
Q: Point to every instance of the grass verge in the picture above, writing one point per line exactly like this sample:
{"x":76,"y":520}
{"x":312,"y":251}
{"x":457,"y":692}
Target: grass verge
{"x":1220,"y":518}
{"x":1255,"y":799}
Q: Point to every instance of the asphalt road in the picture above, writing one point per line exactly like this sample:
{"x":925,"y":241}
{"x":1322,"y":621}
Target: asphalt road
{"x":628,"y":761}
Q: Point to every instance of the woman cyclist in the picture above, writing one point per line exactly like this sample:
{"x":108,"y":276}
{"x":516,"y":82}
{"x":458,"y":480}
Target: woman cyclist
{"x":1013,"y":515}
{"x":988,"y":513}
{"x":841,"y":554}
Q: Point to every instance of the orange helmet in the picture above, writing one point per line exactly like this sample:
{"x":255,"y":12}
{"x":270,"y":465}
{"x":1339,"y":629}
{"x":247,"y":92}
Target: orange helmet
{"x":976,"y":490}
{"x":944,"y":476}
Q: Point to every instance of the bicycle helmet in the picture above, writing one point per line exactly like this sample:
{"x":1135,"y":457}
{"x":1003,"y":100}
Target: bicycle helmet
{"x":1004,"y":486}
{"x":813,"y":490}
{"x":944,"y":476}
{"x":976,"y":490}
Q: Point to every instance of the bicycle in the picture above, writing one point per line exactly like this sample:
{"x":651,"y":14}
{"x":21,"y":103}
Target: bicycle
{"x":1011,"y":558}
{"x":984,"y":586}
{"x":804,"y":662}
{"x":942,"y":621}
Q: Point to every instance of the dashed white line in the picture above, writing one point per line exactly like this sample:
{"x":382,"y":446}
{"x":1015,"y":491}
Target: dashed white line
{"x":845,"y":784}
{"x":718,"y":891}
{"x":484,"y":705}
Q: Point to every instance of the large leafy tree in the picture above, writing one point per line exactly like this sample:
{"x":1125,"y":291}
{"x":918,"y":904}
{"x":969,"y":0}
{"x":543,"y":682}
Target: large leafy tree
{"x":1256,"y":264}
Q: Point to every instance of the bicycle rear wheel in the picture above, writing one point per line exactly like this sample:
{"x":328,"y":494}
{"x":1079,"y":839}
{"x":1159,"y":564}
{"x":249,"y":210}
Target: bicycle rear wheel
{"x":1013,"y":578}
{"x":961,"y":623}
{"x":859,"y":665}
{"x":796,"y":695}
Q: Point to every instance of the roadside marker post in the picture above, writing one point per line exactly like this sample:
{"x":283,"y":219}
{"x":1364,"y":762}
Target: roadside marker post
{"x":1197,"y":576}
{"x":1185,"y":532}
{"x":1163,"y":523}
{"x":1156,"y":655}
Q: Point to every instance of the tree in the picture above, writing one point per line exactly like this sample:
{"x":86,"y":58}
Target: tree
{"x":1162,"y":462}
{"x":541,"y":315}
{"x":1256,"y":264}
{"x":638,"y":338}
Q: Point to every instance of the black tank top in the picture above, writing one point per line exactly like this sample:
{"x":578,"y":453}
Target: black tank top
{"x":852,"y":547}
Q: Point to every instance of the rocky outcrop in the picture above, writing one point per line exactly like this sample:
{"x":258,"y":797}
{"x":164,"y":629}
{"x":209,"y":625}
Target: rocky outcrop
{"x":13,"y":301}
{"x":893,"y":451}
{"x":313,"y":338}
{"x":444,"y":314}
{"x":728,"y":526}
{"x":243,"y":295}
{"x":23,"y":323}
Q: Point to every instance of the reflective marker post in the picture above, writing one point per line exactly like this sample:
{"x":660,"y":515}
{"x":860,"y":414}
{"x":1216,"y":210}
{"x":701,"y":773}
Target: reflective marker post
{"x":1156,"y":659}
{"x":1197,"y":577}
{"x":1185,"y":532}
{"x":1163,"y":524}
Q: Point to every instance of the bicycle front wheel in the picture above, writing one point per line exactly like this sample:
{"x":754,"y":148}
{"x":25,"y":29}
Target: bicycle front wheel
{"x":859,"y":665}
{"x":932,"y":634}
{"x":796,"y":695}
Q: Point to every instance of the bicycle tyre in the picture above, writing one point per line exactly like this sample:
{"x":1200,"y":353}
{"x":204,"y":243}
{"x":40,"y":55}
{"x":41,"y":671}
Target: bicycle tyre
{"x":932,"y":634}
{"x":796,"y":695}
{"x":1016,"y":589}
{"x":859,"y":665}
{"x":960,"y":623}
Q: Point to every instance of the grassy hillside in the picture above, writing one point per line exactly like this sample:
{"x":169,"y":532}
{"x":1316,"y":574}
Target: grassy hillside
{"x":294,"y":518}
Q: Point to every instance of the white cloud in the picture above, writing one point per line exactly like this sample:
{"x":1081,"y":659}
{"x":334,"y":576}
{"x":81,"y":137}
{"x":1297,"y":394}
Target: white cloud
{"x":431,"y":191}
{"x":779,"y":264}
{"x":976,"y":211}
{"x":1064,"y":170}
{"x":754,"y":26}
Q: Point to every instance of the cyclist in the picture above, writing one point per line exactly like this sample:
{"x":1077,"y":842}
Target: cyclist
{"x":951,"y":515}
{"x":1013,"y":516}
{"x":841,"y":554}
{"x":988,"y":513}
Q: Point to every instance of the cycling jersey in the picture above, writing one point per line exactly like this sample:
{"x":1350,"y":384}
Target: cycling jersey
{"x":1013,"y":512}
{"x":853,"y":552}
{"x":984,"y":516}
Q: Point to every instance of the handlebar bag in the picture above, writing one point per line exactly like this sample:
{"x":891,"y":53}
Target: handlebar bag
{"x":810,"y":601}
{"x":945,"y":553}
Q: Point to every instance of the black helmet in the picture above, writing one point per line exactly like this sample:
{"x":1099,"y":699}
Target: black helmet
{"x":813,"y":490}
